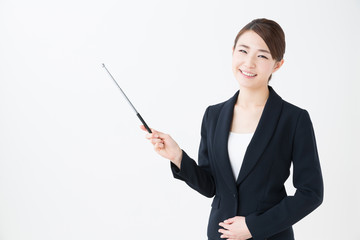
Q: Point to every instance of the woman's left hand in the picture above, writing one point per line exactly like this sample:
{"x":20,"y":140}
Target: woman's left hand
{"x":235,"y":229}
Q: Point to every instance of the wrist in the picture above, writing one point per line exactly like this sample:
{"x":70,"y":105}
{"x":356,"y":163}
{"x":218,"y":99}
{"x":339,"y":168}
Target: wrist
{"x":177,"y":159}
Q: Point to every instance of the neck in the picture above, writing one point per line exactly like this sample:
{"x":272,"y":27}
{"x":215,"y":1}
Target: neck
{"x":252,"y":97}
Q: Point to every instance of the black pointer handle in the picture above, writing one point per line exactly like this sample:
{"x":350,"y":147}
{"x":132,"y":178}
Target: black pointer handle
{"x":143,"y":122}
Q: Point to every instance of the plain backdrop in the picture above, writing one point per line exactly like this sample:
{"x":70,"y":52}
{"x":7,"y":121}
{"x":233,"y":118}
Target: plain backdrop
{"x":74,"y":163}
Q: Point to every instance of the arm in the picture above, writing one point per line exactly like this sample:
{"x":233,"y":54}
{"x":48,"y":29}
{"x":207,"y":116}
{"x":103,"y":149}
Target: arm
{"x":196,"y":176}
{"x":183,"y":167}
{"x":307,"y":179}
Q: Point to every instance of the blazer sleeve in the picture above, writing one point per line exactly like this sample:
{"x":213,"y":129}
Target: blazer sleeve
{"x":307,"y":179}
{"x":198,"y":177}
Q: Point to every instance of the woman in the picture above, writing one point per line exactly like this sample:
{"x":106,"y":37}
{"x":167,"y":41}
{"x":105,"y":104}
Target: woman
{"x":247,"y":146}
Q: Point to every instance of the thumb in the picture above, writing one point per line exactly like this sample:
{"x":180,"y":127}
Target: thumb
{"x":144,"y":128}
{"x":160,"y":134}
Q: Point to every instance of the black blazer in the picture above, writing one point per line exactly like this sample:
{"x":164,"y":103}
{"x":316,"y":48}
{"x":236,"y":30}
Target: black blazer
{"x":283,"y":136}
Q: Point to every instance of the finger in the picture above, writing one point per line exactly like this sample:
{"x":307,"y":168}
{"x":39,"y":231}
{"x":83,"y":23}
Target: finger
{"x":156,"y":140}
{"x":155,"y":133}
{"x":144,"y":128}
{"x":229,"y":221}
{"x":159,"y":146}
{"x":151,"y":136}
{"x":225,"y":232}
{"x":160,"y":134}
{"x":224,"y":225}
{"x":225,"y":235}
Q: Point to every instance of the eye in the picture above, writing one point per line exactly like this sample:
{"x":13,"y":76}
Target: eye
{"x":243,"y":51}
{"x":262,"y":56}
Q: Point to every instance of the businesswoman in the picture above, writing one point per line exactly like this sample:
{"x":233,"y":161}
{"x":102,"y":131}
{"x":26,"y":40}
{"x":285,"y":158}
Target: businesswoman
{"x":247,"y":146}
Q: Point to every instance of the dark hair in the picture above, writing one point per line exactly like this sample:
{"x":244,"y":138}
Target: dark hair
{"x":270,"y":32}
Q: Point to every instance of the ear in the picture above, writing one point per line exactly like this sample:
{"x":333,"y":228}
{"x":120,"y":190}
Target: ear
{"x":278,"y":65}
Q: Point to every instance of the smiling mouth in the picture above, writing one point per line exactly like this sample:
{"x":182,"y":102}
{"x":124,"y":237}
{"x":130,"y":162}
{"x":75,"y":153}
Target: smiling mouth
{"x":247,"y":74}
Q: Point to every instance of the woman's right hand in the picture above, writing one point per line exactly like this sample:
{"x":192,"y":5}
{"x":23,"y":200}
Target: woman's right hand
{"x":165,"y":146}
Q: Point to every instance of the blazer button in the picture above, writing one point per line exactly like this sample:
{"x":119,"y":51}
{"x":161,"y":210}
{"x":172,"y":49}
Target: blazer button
{"x":234,"y":195}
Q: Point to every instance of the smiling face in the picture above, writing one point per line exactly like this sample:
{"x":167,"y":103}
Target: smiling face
{"x":252,"y":63}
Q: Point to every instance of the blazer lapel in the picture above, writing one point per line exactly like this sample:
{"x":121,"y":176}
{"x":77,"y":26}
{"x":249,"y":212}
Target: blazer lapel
{"x":262,"y":135}
{"x":221,"y":142}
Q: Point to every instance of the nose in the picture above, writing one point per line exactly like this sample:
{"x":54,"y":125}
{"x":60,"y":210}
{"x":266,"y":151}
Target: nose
{"x":250,"y":62}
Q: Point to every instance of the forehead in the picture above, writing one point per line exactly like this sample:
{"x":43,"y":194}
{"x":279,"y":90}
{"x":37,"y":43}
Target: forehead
{"x":252,"y":40}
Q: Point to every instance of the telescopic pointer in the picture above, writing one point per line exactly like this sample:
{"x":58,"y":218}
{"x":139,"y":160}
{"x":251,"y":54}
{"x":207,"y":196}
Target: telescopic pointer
{"x":137,"y":114}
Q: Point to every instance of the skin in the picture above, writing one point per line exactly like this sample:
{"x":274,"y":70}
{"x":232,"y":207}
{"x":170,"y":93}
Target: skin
{"x":250,"y":56}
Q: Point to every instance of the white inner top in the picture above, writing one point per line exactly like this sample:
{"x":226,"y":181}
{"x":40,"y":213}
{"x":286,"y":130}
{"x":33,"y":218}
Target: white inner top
{"x":237,"y":145}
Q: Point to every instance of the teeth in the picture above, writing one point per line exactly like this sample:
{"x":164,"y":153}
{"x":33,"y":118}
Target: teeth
{"x":248,"y":74}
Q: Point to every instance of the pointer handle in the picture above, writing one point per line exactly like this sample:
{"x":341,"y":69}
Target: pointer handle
{"x":143,"y":122}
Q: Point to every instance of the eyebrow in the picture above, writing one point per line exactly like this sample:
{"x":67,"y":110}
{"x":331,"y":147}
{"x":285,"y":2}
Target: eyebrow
{"x":260,"y":50}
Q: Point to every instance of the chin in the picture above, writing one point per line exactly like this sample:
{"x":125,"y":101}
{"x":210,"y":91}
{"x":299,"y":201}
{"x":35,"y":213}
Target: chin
{"x":251,"y":85}
{"x":247,"y":83}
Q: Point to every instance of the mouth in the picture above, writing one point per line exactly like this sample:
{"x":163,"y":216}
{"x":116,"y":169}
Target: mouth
{"x":248,"y":74}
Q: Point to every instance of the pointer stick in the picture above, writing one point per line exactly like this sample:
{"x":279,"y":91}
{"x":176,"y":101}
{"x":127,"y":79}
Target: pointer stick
{"x":137,"y":114}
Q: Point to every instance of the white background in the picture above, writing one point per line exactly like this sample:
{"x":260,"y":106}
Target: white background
{"x":74,"y":163}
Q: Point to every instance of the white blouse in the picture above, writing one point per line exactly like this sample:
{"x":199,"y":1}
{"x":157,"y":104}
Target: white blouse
{"x":237,"y":145}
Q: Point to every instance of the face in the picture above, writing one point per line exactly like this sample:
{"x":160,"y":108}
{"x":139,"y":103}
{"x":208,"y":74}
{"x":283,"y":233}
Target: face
{"x":252,"y":63}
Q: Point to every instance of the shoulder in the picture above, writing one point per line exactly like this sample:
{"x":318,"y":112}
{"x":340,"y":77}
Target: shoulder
{"x":294,"y":115}
{"x":215,"y":109}
{"x":294,"y":111}
{"x":287,"y":107}
{"x":291,"y":108}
